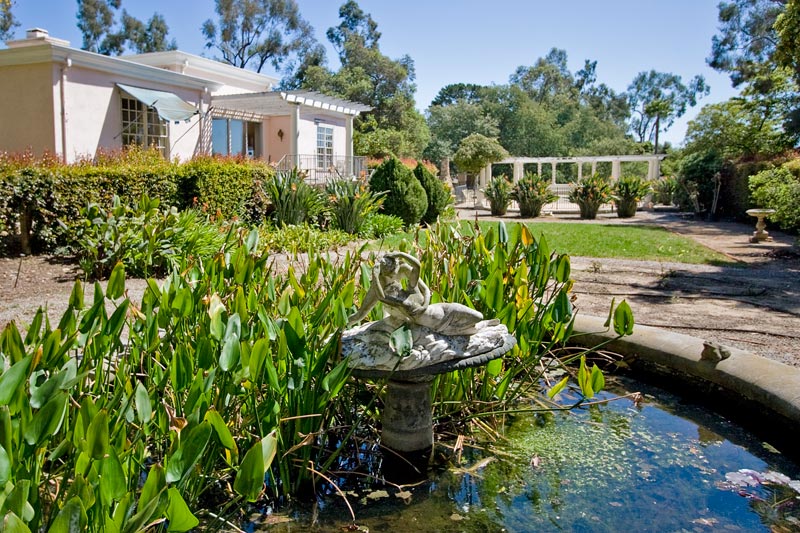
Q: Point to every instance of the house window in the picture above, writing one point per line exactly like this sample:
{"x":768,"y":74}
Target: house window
{"x":141,"y":126}
{"x":324,"y":146}
{"x":235,"y":137}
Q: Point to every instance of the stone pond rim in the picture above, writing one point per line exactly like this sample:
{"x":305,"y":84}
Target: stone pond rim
{"x":734,"y":381}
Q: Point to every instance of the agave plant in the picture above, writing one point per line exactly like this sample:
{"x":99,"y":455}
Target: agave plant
{"x":532,"y":192}
{"x":590,"y":193}
{"x":498,"y":192}
{"x":627,"y":192}
{"x":352,"y":203}
{"x":293,"y":200}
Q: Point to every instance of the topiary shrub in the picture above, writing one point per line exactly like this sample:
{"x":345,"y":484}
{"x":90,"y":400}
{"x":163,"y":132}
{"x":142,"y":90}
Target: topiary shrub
{"x":439,"y":196}
{"x":220,"y":185}
{"x":405,"y":196}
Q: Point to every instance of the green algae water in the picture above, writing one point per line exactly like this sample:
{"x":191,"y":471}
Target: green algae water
{"x":658,"y":465}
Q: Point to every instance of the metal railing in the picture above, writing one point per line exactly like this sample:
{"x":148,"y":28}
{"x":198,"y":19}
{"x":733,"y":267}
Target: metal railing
{"x":319,"y":170}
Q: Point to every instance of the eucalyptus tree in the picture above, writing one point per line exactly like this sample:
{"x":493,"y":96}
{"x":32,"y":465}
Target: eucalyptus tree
{"x":254,"y":33}
{"x":104,"y":34}
{"x":7,"y":20}
{"x":656,"y":99}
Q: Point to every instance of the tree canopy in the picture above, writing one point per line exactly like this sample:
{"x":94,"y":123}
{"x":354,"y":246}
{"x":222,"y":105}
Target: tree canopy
{"x":7,"y":20}
{"x":254,"y":33}
{"x":102,"y":33}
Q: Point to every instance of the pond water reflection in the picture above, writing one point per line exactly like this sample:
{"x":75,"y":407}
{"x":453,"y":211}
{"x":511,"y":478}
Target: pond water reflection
{"x":660,"y":465}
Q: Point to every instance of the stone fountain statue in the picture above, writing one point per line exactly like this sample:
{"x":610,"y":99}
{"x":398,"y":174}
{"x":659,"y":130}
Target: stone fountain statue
{"x":445,"y":336}
{"x":439,"y":338}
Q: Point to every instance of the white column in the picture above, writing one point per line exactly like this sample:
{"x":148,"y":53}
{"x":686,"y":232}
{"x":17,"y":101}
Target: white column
{"x":518,"y":171}
{"x":580,"y":170}
{"x":615,"y":170}
{"x":294,"y":138}
{"x":539,"y":168}
{"x":656,"y":169}
{"x":348,"y":144}
{"x":594,"y":167}
{"x":553,"y":172}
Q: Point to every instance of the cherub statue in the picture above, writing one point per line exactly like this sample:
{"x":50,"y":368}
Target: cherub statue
{"x":410,"y":304}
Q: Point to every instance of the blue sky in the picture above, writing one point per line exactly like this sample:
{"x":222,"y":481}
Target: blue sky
{"x":480,"y":42}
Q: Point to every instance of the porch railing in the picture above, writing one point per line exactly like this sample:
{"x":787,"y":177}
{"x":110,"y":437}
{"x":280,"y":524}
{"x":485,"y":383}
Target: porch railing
{"x":319,"y":170}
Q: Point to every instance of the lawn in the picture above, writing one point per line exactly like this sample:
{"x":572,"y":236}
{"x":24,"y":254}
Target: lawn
{"x":595,"y":240}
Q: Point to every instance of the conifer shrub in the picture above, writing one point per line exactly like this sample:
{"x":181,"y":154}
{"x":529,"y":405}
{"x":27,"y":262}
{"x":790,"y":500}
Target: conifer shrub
{"x":405,"y":196}
{"x":439,"y":197}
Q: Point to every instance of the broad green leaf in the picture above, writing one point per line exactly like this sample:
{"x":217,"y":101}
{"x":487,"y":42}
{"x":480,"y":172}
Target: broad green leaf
{"x":183,"y":303}
{"x":250,"y":478}
{"x":562,"y":269}
{"x":335,"y":379}
{"x":401,"y":341}
{"x":97,"y":444}
{"x":583,"y":380}
{"x":116,"y":282}
{"x":51,"y":347}
{"x":525,"y":235}
{"x":144,"y":408}
{"x":623,"y":319}
{"x":610,"y":313}
{"x":70,"y":519}
{"x":494,"y":367}
{"x":178,"y":513}
{"x":258,"y":355}
{"x":114,"y":325}
{"x":231,"y":351}
{"x":220,"y":429}
{"x":11,"y":343}
{"x":76,"y":296}
{"x":5,"y":428}
{"x":598,"y":381}
{"x":188,"y":453}
{"x":502,"y":232}
{"x":32,"y":336}
{"x":215,"y":311}
{"x":5,"y":467}
{"x":12,"y":378}
{"x":113,"y":482}
{"x":136,"y":523}
{"x":47,"y":420}
{"x":558,"y":387}
{"x":40,"y":394}
{"x":153,"y":487}
{"x":13,"y":524}
{"x":252,"y":241}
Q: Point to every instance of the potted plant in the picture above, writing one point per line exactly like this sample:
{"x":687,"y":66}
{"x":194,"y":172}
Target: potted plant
{"x":532,"y":192}
{"x":498,"y":192}
{"x":590,"y":193}
{"x":627,"y":192}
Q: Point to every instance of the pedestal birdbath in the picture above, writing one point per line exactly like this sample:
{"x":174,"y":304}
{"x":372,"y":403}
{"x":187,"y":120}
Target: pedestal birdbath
{"x":413,"y":343}
{"x":760,"y":234}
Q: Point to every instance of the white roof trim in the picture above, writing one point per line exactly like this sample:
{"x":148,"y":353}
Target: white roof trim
{"x":319,"y":100}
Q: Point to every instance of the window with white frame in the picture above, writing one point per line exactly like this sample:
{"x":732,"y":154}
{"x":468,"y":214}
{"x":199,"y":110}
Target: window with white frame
{"x":235,"y":137}
{"x":324,"y":146}
{"x":141,"y":126}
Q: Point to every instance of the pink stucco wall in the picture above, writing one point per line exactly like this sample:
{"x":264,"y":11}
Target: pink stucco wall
{"x":27,"y":117}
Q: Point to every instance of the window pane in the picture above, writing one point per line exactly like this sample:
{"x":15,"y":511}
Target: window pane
{"x":219,"y":136}
{"x":237,"y":137}
{"x":324,"y":146}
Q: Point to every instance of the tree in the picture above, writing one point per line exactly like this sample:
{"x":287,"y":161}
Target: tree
{"x":449,"y":124}
{"x":656,"y":99}
{"x":747,"y":38}
{"x":455,"y":92}
{"x":477,"y":151}
{"x":393,"y":126}
{"x":548,"y":78}
{"x":97,"y":20}
{"x":7,"y":20}
{"x":787,"y":51}
{"x":253,"y":33}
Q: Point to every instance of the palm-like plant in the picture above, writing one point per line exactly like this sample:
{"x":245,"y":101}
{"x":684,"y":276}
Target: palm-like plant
{"x":627,"y":192}
{"x":498,"y":192}
{"x":532,"y":192}
{"x":590,"y":193}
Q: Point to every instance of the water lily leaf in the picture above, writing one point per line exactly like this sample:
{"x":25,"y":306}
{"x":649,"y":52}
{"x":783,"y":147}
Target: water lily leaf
{"x":116,"y":282}
{"x":71,"y":518}
{"x":12,"y":378}
{"x":13,"y":524}
{"x":144,"y":408}
{"x":192,"y":446}
{"x":401,"y":341}
{"x":178,"y":513}
{"x":623,"y":319}
{"x":558,"y":387}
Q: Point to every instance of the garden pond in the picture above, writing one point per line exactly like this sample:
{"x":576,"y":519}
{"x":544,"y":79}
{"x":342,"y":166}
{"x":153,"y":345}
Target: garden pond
{"x":651,"y":463}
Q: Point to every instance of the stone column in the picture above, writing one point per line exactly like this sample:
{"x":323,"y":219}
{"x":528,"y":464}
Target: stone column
{"x":615,"y":169}
{"x":518,"y":171}
{"x":594,"y":167}
{"x":407,"y":416}
{"x":553,"y":172}
{"x":580,"y":170}
{"x":539,"y":168}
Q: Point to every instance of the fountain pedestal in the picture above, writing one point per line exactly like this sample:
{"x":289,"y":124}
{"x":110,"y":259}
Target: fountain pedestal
{"x":760,"y":234}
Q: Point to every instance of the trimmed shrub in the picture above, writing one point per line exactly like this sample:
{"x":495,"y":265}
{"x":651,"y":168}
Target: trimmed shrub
{"x":779,"y":189}
{"x":438,"y":194}
{"x":221,"y":186}
{"x":405,"y":196}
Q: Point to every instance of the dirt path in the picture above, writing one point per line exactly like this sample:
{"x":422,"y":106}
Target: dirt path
{"x":754,"y":306}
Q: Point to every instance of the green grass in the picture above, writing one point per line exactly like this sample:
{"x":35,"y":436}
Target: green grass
{"x":595,"y":240}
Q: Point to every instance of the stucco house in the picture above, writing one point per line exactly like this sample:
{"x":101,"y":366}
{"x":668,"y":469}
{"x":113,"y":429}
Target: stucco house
{"x":70,"y":102}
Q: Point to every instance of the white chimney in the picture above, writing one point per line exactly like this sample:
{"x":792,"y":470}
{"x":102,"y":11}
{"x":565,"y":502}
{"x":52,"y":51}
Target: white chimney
{"x":36,"y":36}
